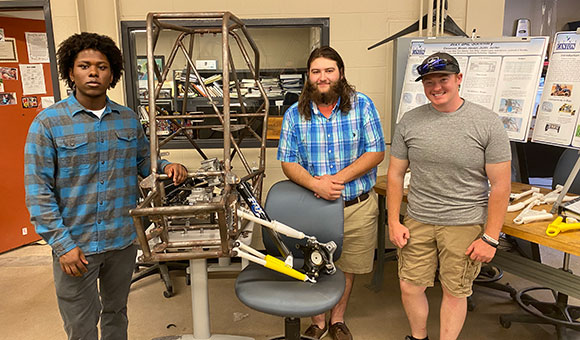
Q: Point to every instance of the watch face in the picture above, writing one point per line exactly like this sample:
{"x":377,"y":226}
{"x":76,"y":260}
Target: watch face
{"x":316,"y":258}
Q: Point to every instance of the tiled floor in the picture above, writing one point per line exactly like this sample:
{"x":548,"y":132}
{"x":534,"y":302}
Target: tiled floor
{"x":28,"y":306}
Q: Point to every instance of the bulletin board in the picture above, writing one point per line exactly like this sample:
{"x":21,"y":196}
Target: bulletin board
{"x":25,"y":90}
{"x":557,"y":120}
{"x":502,"y":74}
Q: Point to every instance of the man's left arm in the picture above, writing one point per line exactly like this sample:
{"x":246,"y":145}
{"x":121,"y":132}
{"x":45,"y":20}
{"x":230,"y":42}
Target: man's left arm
{"x":499,"y":175}
{"x":360,"y":166}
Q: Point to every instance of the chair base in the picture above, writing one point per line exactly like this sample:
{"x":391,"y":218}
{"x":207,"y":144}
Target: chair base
{"x":557,"y":313}
{"x":487,"y":278}
{"x":283,"y":337}
{"x":292,"y":330}
{"x":212,"y":337}
{"x":163,"y":269}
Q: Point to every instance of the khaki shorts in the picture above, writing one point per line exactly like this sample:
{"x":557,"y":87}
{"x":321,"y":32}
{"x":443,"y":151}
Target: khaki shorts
{"x":360,"y":236}
{"x":432,"y":247}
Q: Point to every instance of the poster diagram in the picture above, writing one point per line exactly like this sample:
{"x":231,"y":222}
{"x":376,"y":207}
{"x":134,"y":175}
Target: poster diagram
{"x":502,"y":75}
{"x":557,"y":119}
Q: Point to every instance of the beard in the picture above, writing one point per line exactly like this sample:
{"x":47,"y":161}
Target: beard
{"x":325,"y":98}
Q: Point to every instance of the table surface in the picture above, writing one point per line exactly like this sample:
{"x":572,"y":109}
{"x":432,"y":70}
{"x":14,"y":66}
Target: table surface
{"x":568,"y":242}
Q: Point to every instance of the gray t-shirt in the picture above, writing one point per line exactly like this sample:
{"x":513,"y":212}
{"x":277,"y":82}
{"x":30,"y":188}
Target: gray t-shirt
{"x":447,"y":153}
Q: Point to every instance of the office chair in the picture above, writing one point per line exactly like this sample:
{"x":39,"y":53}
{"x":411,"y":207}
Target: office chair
{"x":563,"y":168}
{"x":270,"y":292}
{"x":553,"y":307}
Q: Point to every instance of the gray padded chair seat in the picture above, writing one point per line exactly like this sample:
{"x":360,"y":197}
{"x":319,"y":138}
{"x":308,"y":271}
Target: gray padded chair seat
{"x":270,"y":292}
{"x":273,"y":293}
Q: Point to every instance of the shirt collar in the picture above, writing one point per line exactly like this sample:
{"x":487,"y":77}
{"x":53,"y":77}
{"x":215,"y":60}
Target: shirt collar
{"x":76,"y":107}
{"x":315,"y":109}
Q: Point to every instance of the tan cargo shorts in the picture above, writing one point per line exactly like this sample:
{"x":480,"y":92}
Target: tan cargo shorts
{"x":360,"y":236}
{"x":432,"y":247}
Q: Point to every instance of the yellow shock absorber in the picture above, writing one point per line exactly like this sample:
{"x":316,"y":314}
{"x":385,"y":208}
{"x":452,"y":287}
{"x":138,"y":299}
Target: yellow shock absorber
{"x":279,"y":266}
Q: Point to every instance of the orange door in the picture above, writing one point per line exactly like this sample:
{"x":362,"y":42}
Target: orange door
{"x":16,"y":114}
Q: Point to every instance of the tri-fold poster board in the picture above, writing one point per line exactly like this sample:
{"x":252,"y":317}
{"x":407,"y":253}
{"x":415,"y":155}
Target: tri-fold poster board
{"x":557,"y":118}
{"x":501,"y":74}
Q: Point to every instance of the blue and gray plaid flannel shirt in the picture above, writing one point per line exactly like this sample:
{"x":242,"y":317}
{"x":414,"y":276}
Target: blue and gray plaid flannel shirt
{"x":80,"y":175}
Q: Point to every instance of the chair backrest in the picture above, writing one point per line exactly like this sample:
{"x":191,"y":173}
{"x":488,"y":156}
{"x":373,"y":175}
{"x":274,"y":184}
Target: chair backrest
{"x":563,"y":168}
{"x":297,"y":207}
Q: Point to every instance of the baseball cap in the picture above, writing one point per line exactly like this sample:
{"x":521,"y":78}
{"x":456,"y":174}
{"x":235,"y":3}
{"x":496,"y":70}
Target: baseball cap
{"x":438,"y":63}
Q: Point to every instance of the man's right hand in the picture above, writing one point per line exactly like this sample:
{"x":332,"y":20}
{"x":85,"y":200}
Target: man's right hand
{"x":328,"y":187}
{"x":398,"y":234}
{"x":73,"y":262}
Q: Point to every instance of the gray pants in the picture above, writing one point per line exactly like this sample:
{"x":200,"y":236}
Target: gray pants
{"x":81,"y":301}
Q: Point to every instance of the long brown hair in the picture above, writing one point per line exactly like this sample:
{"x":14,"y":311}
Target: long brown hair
{"x":344,"y":89}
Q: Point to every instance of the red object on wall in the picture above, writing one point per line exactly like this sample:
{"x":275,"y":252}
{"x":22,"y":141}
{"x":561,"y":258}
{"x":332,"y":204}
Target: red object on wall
{"x":14,"y":123}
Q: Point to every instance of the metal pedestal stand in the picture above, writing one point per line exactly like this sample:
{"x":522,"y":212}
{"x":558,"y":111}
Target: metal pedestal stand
{"x":200,"y":306}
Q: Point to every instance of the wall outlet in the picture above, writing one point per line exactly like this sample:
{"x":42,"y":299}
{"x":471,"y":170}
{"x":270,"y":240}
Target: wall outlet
{"x":24,"y":231}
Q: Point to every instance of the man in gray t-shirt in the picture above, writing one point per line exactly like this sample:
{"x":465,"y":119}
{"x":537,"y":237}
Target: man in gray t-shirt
{"x":452,"y":147}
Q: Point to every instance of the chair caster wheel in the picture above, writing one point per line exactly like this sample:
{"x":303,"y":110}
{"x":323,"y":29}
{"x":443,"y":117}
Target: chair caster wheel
{"x":168,"y":294}
{"x":505,"y":323}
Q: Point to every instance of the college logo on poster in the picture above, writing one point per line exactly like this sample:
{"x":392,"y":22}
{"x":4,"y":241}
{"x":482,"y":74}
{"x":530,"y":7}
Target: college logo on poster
{"x":418,"y":49}
{"x":566,"y":42}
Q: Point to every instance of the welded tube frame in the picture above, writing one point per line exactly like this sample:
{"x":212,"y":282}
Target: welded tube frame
{"x":226,"y":209}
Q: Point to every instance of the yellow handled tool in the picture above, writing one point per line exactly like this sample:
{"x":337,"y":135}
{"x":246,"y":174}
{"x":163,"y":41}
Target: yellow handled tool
{"x":559,"y":226}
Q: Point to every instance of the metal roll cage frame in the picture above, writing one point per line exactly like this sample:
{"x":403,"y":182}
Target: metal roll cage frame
{"x":219,"y":215}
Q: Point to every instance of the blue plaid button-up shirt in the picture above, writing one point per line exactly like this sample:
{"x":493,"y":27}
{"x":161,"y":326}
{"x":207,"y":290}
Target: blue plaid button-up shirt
{"x":327,"y":145}
{"x":80,"y":175}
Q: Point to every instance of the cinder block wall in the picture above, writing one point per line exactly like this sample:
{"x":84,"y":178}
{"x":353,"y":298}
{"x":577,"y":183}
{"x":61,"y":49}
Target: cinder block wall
{"x":354,"y":25}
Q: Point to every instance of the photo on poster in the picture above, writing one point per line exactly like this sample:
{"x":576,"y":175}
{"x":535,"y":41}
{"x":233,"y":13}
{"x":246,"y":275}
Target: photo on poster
{"x":510,"y":105}
{"x":9,"y":73}
{"x":552,"y":126}
{"x":511,"y":123}
{"x":561,"y":90}
{"x":421,"y":99}
{"x":547,"y":107}
{"x":567,"y":109}
{"x":8,"y":98}
{"x":142,"y":66}
{"x":29,"y":102}
{"x":1,"y":85}
{"x":577,"y":134}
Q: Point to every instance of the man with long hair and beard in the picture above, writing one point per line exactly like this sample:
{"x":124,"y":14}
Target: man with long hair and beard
{"x":331,"y":143}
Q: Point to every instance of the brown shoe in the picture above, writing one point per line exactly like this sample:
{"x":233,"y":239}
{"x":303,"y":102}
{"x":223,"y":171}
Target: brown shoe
{"x":315,"y":332}
{"x":339,"y":331}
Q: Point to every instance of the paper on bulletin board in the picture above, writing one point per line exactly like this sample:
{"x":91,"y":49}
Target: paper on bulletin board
{"x":32,"y":76}
{"x":37,"y":46}
{"x":1,"y":85}
{"x":1,"y":34}
{"x":46,"y":102}
{"x":8,"y":52}
{"x":557,"y":118}
{"x":499,"y":74}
